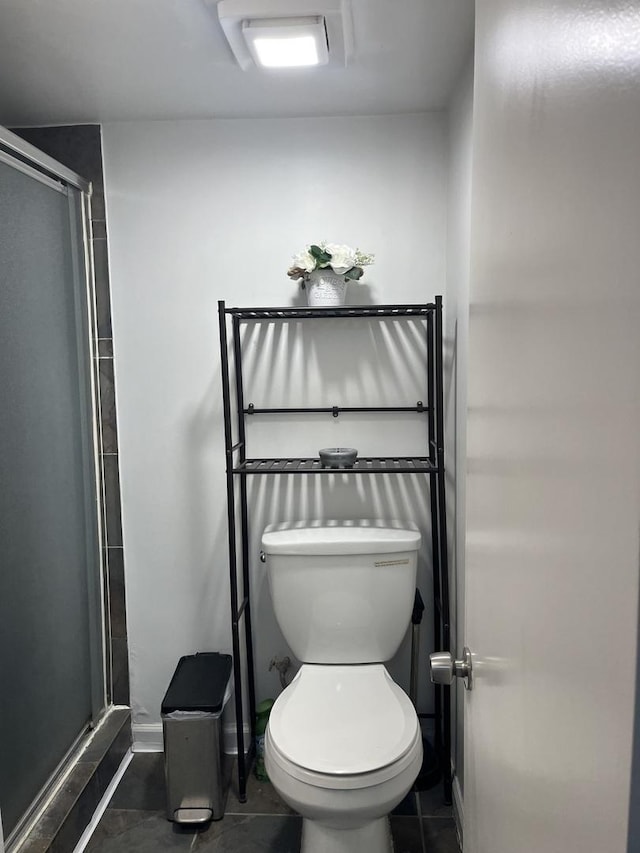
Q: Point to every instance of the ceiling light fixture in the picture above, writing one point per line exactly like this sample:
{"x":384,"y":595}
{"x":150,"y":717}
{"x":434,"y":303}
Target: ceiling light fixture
{"x":272,"y":34}
{"x":287,"y":42}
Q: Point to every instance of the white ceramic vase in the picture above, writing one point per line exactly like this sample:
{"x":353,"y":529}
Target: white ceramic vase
{"x":325,"y":288}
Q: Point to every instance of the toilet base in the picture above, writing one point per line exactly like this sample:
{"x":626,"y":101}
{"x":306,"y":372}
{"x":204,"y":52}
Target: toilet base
{"x":371,"y":837}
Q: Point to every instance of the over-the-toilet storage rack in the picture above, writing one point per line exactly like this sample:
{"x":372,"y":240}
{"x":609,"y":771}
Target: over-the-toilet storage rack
{"x":239,"y":466}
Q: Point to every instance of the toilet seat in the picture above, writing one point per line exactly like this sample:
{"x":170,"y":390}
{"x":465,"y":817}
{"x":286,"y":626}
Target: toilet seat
{"x":337,"y":782}
{"x":343,"y":726}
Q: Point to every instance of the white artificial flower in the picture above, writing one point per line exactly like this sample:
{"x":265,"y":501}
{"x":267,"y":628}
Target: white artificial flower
{"x":363,"y":259}
{"x":342,"y":257}
{"x":304,"y":261}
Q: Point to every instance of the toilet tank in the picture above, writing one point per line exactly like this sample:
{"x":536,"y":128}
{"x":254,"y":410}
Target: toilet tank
{"x":342,"y":592}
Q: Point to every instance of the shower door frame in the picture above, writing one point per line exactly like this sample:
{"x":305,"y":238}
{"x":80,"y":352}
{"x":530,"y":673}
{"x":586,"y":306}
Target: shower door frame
{"x":26,"y":158}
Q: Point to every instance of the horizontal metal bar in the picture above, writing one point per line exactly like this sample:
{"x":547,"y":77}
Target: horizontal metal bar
{"x":293,"y":459}
{"x":358,"y":471}
{"x":289,"y":312}
{"x":252,"y":410}
{"x":32,"y":155}
{"x":363,"y":465}
{"x":42,"y":177}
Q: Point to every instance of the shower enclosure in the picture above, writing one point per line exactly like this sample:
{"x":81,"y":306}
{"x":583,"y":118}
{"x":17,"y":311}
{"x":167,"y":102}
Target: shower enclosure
{"x":52,"y":681}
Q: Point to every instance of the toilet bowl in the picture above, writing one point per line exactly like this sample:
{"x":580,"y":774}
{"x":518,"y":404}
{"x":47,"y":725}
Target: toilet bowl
{"x":343,"y":745}
{"x":343,"y":748}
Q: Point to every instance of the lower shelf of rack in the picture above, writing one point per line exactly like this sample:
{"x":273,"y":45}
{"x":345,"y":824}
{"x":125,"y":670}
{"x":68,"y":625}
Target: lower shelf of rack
{"x":362,"y":465}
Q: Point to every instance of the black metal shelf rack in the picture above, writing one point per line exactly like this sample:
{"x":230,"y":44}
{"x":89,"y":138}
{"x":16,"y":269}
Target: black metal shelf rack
{"x":239,"y":466}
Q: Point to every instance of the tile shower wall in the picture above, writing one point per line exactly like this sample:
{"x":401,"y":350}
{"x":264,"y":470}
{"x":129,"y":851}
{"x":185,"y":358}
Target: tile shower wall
{"x":80,"y":148}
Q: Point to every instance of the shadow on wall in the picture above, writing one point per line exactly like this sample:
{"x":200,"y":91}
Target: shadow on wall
{"x":343,"y":362}
{"x":348,"y":362}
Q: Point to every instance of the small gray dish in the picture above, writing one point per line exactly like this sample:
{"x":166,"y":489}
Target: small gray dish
{"x":337,"y":457}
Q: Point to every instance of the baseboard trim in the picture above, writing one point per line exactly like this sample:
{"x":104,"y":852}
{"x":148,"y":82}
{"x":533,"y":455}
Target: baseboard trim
{"x":230,"y":738}
{"x":147,"y":737}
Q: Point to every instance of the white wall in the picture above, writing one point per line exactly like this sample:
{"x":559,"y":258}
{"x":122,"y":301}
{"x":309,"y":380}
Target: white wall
{"x":201,"y":211}
{"x":456,"y":337}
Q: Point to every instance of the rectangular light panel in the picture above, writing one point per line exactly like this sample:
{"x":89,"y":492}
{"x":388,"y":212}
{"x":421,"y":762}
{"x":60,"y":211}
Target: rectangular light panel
{"x":287,"y":42}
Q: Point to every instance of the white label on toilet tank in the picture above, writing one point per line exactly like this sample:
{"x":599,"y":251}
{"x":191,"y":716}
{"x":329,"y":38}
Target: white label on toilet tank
{"x":392,"y":563}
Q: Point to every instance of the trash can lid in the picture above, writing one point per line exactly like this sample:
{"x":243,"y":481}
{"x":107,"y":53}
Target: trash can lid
{"x":198,"y":684}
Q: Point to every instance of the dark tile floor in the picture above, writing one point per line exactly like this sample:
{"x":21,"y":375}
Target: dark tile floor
{"x":135,"y":822}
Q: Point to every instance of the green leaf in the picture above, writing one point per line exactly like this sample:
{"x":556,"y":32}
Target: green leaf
{"x":354,"y":273}
{"x":319,"y":254}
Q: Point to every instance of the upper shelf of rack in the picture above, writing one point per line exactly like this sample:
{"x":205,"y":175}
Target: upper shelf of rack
{"x":301,"y":313}
{"x":362,"y":465}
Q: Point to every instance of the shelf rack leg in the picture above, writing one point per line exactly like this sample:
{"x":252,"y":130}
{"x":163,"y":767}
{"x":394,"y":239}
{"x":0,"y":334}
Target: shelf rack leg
{"x":435,"y":549}
{"x":244,"y":525}
{"x":233,"y":564}
{"x":442,"y":537}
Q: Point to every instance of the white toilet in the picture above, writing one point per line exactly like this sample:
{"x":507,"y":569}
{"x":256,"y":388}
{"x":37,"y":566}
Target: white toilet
{"x":343,"y":745}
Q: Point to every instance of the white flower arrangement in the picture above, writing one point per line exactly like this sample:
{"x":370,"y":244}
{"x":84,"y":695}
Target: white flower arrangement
{"x":343,"y":260}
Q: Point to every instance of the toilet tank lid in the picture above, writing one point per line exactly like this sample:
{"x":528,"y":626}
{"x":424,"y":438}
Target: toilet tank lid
{"x":359,"y":536}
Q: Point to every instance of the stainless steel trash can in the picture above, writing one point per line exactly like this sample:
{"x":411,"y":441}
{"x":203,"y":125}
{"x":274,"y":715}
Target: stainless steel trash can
{"x":191,"y":724}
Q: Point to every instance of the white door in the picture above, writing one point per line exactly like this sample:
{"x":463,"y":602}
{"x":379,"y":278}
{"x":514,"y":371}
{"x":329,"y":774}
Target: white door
{"x":553,"y":472}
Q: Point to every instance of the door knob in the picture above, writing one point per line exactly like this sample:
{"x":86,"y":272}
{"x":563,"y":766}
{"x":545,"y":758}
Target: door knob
{"x":444,"y":668}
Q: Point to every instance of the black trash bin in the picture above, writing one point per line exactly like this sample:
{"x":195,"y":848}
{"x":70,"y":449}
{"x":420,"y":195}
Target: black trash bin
{"x":191,"y":726}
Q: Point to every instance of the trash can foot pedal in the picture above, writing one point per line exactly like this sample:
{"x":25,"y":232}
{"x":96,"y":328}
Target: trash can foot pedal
{"x":192,"y":815}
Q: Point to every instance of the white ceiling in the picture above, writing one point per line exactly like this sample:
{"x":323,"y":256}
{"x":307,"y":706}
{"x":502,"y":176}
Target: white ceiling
{"x":68,"y":61}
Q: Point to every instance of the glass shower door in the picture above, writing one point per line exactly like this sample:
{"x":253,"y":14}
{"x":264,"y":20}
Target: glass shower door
{"x":51,"y":658}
